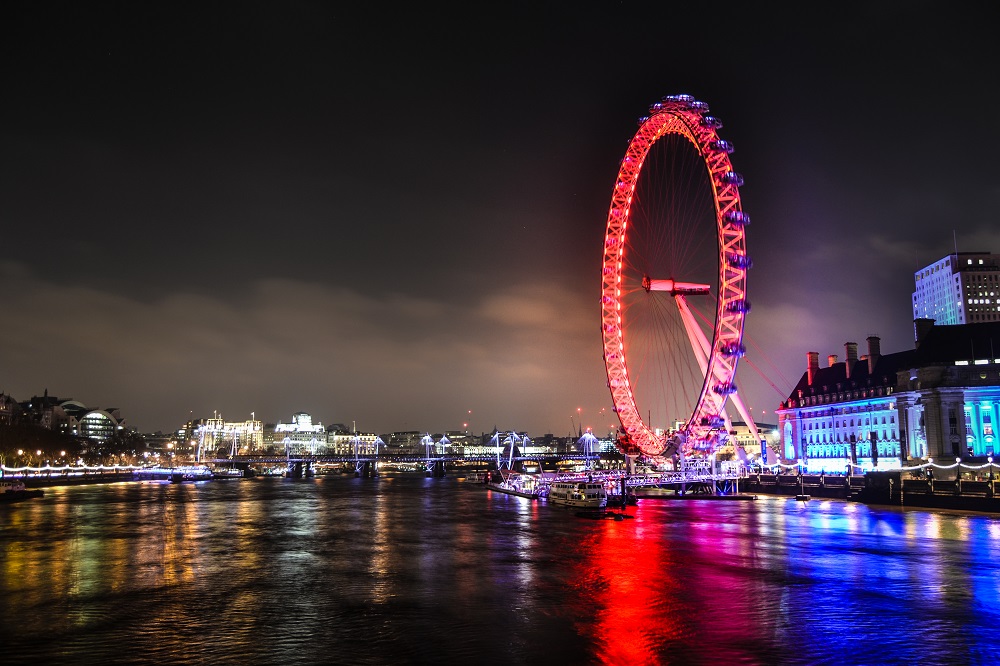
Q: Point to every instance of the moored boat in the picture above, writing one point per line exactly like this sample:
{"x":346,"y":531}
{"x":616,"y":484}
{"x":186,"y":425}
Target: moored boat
{"x":578,"y":494}
{"x":175,"y":474}
{"x":510,"y":490}
{"x":14,"y":490}
{"x":521,"y":485}
{"x":477,"y":476}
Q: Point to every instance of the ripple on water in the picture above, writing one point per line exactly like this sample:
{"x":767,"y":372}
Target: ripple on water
{"x":417,"y":570}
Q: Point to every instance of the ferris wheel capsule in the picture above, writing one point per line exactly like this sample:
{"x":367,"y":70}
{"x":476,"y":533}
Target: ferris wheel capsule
{"x":736,"y":217}
{"x":678,"y":98}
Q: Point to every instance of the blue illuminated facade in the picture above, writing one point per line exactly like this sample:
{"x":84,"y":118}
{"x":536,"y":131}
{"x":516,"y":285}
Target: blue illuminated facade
{"x":940,"y":401}
{"x":845,"y":414}
{"x":949,"y":401}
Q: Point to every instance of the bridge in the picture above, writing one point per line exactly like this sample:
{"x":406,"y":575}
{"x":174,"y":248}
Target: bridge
{"x":620,"y":477}
{"x":300,"y":464}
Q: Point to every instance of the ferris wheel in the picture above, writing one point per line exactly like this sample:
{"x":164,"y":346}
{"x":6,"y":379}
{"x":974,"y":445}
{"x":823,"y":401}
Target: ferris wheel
{"x":674,"y":294}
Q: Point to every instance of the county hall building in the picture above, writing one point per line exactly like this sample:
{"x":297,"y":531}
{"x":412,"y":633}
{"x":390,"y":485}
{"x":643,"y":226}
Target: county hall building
{"x":937,"y":401}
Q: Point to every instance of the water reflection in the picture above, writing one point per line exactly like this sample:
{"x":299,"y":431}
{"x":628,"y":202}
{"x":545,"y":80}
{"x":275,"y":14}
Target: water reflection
{"x":420,"y":570}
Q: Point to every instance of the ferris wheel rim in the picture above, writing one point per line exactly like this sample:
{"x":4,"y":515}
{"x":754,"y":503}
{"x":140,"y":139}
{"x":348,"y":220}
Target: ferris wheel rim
{"x":679,"y":115}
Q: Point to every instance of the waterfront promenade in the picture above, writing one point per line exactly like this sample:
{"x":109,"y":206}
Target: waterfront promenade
{"x":882,"y":488}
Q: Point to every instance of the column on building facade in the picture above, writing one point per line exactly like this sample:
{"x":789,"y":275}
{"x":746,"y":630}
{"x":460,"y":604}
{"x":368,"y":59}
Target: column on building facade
{"x":903,"y":406}
{"x":915,"y":432}
{"x":799,"y":442}
{"x":931,"y":402}
{"x":935,"y":418}
{"x":987,"y":415}
{"x":971,"y":429}
{"x":911,"y":446}
{"x":788,"y":430}
{"x":952,"y":401}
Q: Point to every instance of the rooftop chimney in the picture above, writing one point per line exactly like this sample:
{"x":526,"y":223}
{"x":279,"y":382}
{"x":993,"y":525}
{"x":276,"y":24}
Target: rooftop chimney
{"x":874,"y":351}
{"x":921,"y":327}
{"x":831,"y":360}
{"x":812,"y":365}
{"x":850,"y":356}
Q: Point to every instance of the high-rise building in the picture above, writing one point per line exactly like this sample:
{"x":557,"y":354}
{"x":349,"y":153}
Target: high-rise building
{"x":961,"y":288}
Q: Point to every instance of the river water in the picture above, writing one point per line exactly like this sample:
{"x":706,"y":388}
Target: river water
{"x":415,"y":570}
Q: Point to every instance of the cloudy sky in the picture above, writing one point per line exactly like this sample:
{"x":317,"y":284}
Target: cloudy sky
{"x":393,"y":217}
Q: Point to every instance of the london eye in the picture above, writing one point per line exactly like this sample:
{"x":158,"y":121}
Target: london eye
{"x":674,"y":295}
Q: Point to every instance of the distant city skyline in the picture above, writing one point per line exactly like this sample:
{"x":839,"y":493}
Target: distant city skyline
{"x":396,"y":219}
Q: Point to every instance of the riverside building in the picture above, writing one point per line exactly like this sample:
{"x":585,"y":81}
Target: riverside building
{"x":301,"y":434}
{"x":341,"y":440}
{"x":68,"y":416}
{"x":939,"y":401}
{"x":218,"y":436}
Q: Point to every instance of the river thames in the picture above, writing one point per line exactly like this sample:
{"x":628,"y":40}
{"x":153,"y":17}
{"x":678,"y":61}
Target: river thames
{"x":416,"y":570}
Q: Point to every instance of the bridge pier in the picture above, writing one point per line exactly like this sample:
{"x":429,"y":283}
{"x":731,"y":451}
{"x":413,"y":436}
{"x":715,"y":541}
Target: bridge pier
{"x":366,"y":469}
{"x":244,"y":467}
{"x":298,"y":469}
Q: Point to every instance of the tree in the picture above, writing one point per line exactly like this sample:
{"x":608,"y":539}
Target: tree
{"x":29,"y":438}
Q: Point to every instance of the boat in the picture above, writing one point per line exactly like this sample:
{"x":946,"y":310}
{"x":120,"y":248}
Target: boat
{"x":175,"y":474}
{"x":521,"y":485}
{"x":578,"y":494}
{"x":510,"y":489}
{"x":14,"y":490}
{"x":229,"y":473}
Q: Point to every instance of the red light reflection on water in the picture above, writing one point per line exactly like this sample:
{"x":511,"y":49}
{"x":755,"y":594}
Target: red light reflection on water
{"x":662,"y":597}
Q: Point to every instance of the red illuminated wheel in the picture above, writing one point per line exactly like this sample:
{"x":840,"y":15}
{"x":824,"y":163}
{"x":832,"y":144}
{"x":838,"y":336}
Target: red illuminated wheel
{"x":674,"y":282}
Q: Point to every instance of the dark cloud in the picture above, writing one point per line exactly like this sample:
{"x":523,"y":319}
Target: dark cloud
{"x":514,"y":357}
{"x":395,"y":216}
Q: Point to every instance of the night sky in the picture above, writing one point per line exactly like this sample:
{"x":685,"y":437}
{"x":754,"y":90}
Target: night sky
{"x":393,"y":216}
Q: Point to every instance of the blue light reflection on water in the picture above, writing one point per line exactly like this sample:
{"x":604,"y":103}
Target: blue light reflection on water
{"x":417,"y":570}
